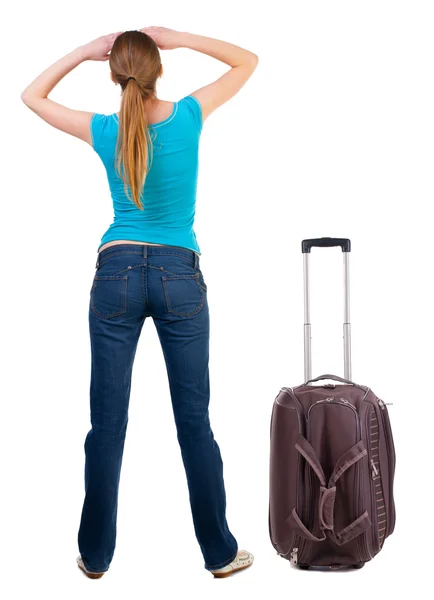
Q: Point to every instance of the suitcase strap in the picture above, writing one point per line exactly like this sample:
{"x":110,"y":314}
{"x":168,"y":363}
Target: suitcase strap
{"x":328,"y":496}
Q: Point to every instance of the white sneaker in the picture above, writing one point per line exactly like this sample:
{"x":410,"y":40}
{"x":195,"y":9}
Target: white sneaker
{"x":90,"y":574}
{"x":242,"y":560}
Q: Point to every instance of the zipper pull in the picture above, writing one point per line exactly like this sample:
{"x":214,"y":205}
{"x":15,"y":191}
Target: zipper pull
{"x":330,"y":399}
{"x":374,"y":470}
{"x":383,"y":404}
{"x":294,"y":558}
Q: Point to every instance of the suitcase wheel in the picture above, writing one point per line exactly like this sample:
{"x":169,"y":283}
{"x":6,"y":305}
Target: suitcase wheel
{"x":304,"y":567}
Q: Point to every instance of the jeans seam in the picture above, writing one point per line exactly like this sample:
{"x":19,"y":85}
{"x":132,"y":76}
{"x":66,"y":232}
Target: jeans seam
{"x":176,"y":275}
{"x":123,"y":308}
{"x":181,"y":256}
{"x":225,"y":562}
{"x":170,"y":272}
{"x":127,"y":269}
{"x":168,"y":305}
{"x":108,"y":256}
{"x":104,"y":570}
{"x":143,"y":283}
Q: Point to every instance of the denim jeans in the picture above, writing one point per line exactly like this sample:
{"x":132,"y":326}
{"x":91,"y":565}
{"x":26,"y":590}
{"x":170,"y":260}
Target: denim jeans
{"x":132,"y":282}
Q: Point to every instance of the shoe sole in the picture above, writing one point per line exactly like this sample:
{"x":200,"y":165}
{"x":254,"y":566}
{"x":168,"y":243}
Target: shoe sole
{"x":228,"y":573}
{"x":90,"y":575}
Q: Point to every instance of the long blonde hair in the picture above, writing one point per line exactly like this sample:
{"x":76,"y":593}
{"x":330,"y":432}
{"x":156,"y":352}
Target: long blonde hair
{"x":134,"y":54}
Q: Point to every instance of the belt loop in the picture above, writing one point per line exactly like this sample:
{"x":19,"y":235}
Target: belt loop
{"x":196,"y":260}
{"x":145,"y":251}
{"x":97,"y":262}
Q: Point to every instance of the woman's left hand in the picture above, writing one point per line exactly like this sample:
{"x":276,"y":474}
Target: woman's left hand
{"x":99,"y":49}
{"x":166,"y":39}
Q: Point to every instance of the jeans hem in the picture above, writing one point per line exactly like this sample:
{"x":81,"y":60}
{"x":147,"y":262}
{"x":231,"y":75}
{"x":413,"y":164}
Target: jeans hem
{"x":104,"y":570}
{"x":223,"y":564}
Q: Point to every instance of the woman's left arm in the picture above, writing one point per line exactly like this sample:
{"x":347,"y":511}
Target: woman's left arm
{"x":35,"y":96}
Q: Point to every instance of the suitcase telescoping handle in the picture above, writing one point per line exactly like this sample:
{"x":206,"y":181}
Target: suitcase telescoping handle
{"x":306,"y":246}
{"x":326,"y":242}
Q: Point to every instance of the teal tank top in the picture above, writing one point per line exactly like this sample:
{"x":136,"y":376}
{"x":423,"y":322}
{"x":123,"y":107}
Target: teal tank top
{"x":169,"y":194}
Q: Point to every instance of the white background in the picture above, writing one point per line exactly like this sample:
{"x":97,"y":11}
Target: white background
{"x":332,"y":136}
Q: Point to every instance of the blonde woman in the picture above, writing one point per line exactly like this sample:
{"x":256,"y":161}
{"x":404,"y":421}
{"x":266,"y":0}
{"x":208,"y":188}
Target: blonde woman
{"x":148,"y":265}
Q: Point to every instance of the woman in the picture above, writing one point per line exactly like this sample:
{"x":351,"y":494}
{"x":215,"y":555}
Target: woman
{"x":148,"y":266}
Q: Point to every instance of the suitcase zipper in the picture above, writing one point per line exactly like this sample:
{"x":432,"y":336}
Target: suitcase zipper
{"x":391,"y":458}
{"x":383,"y":404}
{"x":300,"y":505}
{"x":341,"y":401}
{"x":373,"y":475}
{"x":364,"y":542}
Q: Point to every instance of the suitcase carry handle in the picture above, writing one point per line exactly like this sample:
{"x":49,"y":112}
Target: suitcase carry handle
{"x":334,"y":377}
{"x":328,"y":496}
{"x":326,"y":242}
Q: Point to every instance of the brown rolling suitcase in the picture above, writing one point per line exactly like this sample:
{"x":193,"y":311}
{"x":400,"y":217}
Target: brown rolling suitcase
{"x":332,"y":459}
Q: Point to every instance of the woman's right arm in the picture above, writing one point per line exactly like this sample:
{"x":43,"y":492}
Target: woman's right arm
{"x":213,"y":95}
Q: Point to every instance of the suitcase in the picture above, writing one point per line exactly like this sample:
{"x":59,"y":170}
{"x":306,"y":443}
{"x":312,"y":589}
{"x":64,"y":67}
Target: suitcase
{"x":332,"y":459}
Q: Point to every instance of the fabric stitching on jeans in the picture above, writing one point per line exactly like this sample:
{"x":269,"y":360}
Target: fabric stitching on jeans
{"x":104,"y":258}
{"x":223,"y":563}
{"x":143,"y":284}
{"x":127,"y":269}
{"x":170,"y":272}
{"x":200,"y":284}
{"x":178,"y":255}
{"x":168,"y":305}
{"x":123,"y":308}
{"x":102,"y":570}
{"x":198,"y":274}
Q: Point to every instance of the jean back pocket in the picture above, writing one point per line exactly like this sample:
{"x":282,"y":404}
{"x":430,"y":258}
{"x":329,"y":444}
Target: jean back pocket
{"x":185,"y":295}
{"x":109,"y":295}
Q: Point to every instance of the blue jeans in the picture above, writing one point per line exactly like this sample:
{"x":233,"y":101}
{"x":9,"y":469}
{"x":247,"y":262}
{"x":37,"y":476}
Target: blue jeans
{"x":132,"y":282}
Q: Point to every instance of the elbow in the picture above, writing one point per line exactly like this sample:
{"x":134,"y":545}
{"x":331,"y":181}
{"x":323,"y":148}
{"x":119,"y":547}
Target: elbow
{"x":29,"y":97}
{"x":254,"y":60}
{"x":25,"y":98}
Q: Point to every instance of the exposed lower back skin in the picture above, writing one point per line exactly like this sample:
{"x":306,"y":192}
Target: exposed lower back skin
{"x":114,"y":243}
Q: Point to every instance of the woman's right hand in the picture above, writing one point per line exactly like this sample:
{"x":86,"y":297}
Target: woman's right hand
{"x":166,"y":39}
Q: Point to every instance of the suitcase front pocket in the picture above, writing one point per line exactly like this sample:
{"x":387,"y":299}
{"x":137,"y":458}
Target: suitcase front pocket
{"x":336,"y":514}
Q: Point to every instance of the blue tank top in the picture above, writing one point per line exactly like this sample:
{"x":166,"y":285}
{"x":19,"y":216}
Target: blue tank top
{"x":169,"y":194}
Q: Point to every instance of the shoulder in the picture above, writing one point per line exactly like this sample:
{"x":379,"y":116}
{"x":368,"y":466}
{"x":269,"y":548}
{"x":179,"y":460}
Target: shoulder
{"x":190,"y":106}
{"x":102,"y":125}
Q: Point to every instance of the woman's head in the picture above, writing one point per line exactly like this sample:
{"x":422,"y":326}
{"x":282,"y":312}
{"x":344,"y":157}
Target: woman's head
{"x":134,"y":54}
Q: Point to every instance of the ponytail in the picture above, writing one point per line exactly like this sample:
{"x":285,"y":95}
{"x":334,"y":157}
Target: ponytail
{"x":135,"y":64}
{"x":134,"y":145}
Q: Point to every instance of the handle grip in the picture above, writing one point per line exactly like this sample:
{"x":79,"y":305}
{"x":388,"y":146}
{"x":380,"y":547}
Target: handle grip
{"x":325,"y":242}
{"x":335,"y":378}
{"x":332,"y":377}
